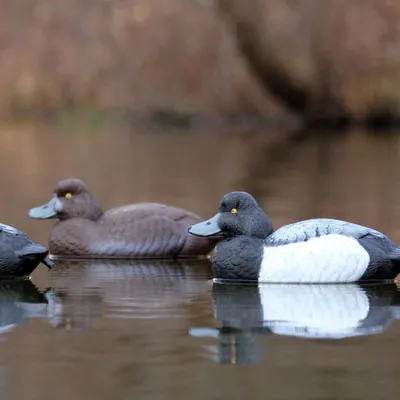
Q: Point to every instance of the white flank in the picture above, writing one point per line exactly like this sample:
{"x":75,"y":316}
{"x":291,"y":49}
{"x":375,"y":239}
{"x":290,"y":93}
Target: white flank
{"x":326,"y":259}
{"x":317,"y":311}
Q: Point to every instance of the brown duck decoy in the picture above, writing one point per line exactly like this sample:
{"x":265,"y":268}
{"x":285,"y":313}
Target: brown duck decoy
{"x":142,"y":230}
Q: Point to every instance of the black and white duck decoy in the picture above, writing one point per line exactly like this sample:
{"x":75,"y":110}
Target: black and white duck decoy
{"x":19,"y":255}
{"x":313,"y":251}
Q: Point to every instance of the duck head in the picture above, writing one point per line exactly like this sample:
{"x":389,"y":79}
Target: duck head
{"x":239,"y":214}
{"x":71,"y":199}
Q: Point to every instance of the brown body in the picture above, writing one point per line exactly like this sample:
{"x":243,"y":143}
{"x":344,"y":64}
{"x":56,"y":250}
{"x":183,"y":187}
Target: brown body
{"x":143,"y":230}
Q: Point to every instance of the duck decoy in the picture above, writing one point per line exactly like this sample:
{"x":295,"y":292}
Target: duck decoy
{"x":312,"y":251}
{"x":142,"y":230}
{"x":19,"y":254}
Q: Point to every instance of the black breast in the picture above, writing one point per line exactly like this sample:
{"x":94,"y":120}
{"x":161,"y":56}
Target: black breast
{"x":238,"y":258}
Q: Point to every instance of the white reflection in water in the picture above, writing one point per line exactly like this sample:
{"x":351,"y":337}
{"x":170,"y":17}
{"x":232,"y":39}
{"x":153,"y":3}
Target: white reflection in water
{"x":305,"y":311}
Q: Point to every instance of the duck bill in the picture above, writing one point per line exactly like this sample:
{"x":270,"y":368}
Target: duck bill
{"x":45,"y":211}
{"x":204,"y":332}
{"x":206,"y":228}
{"x":48,"y":263}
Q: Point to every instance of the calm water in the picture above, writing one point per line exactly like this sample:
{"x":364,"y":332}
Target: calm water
{"x":162,"y":330}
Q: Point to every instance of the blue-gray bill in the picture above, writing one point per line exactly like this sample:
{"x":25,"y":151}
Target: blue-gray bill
{"x":206,"y":228}
{"x":204,"y":332}
{"x":45,"y":211}
{"x":48,"y":263}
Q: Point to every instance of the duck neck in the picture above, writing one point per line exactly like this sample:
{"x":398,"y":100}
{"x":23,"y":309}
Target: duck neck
{"x":260,"y":226}
{"x":90,"y":209}
{"x":238,"y":258}
{"x":95,"y":213}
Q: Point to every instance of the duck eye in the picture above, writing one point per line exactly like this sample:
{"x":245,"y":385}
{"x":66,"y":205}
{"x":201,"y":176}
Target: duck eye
{"x":68,"y":195}
{"x":233,"y":211}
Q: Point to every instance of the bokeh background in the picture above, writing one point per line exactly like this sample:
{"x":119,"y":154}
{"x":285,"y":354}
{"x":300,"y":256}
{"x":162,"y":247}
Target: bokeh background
{"x":180,"y":102}
{"x":215,"y":57}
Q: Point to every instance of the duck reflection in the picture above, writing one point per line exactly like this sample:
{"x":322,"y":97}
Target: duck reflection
{"x":90,"y":289}
{"x":396,"y":303}
{"x":305,"y":311}
{"x":20,"y":300}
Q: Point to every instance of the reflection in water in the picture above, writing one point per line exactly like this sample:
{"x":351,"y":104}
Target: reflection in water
{"x":325,"y":174}
{"x":81,"y":290}
{"x":396,"y":303}
{"x":128,"y":324}
{"x":127,"y":288}
{"x":307,"y":311}
{"x":19,"y":301}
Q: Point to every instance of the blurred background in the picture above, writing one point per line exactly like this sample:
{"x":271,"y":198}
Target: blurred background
{"x":275,"y":58}
{"x":180,"y":102}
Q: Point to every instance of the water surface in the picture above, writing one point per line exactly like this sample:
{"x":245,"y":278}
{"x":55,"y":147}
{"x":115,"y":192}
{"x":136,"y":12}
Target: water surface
{"x":160,"y":330}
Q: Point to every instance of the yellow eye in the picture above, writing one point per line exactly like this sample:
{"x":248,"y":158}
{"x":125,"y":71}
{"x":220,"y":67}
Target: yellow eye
{"x":233,"y":211}
{"x":68,"y":195}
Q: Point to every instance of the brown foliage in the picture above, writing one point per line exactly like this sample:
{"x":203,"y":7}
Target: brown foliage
{"x":331,"y":57}
{"x":135,"y":54}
